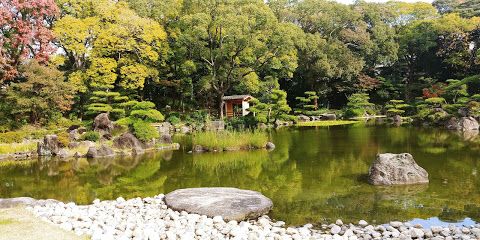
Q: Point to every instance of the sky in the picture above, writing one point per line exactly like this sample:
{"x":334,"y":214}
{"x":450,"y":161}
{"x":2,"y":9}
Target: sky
{"x":351,"y":1}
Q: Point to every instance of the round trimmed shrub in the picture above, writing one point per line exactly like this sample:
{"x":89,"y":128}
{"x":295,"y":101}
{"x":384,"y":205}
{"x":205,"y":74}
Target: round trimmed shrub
{"x":144,"y":131}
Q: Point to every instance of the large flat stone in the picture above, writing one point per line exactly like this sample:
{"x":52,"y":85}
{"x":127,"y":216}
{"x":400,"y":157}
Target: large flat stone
{"x":230,"y":203}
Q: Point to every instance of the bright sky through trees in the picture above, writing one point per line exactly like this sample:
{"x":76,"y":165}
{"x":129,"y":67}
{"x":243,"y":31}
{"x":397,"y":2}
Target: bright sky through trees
{"x":410,"y":1}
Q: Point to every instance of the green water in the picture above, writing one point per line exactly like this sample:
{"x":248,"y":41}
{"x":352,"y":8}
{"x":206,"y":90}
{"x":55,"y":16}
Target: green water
{"x":314,"y":175}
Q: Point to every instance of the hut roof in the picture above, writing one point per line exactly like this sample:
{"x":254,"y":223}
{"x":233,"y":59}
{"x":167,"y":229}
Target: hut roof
{"x":236,"y":97}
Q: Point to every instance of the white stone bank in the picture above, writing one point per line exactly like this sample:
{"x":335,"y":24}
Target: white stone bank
{"x":150,"y":218}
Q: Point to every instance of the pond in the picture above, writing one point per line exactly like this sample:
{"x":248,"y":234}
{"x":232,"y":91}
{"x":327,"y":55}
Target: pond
{"x":314,"y":175}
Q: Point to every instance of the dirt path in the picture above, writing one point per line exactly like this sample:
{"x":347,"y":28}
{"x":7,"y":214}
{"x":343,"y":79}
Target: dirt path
{"x":19,"y":224}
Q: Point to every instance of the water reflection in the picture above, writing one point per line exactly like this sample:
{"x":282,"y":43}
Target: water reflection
{"x":313,"y":175}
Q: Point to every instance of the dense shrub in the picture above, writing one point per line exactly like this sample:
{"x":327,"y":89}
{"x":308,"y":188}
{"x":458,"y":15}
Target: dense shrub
{"x":196,"y":118}
{"x":63,"y":139}
{"x":144,"y":131}
{"x":173,"y":120}
{"x":12,"y":137}
{"x":432,"y":111}
{"x":119,"y":129}
{"x":91,"y":136}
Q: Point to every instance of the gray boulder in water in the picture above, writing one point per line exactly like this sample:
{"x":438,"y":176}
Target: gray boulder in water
{"x":102,"y":151}
{"x":229,"y":203}
{"x":468,"y":124}
{"x":270,"y":146}
{"x":464,"y":124}
{"x":127,"y":141}
{"x":49,"y":146}
{"x":303,"y":118}
{"x":396,"y":169}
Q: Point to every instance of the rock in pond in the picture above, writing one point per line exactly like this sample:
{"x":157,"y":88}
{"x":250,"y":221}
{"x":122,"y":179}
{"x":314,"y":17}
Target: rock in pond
{"x":166,"y":138}
{"x":102,"y":151}
{"x":468,"y":124}
{"x":229,"y":203}
{"x":270,"y":146}
{"x":303,"y":118}
{"x":127,"y":141}
{"x":464,"y":124}
{"x":396,"y":169}
{"x":328,"y":116}
{"x":49,"y":146}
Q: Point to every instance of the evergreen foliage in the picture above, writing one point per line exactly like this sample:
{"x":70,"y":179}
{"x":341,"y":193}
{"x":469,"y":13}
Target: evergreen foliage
{"x":396,"y":107}
{"x":274,"y":107}
{"x":106,"y":102}
{"x":358,"y":105}
{"x":307,"y":104}
{"x":123,"y":57}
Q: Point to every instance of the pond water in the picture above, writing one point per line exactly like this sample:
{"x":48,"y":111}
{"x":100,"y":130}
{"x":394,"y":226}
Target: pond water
{"x":314,"y":175}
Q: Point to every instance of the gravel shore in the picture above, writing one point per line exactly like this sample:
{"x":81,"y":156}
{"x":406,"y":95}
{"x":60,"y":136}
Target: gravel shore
{"x":150,"y":218}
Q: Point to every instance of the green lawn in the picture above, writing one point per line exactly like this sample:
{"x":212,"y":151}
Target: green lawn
{"x":325,"y":123}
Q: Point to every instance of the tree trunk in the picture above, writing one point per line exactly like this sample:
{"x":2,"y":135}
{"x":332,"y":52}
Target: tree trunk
{"x":220,"y":104}
{"x":410,"y":78}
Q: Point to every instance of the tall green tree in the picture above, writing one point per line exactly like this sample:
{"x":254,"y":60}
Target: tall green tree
{"x":466,"y":8}
{"x":41,"y":94}
{"x":110,"y":47}
{"x":231,"y":42}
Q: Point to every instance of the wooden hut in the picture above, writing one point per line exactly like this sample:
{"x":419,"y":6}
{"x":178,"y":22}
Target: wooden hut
{"x":236,"y":105}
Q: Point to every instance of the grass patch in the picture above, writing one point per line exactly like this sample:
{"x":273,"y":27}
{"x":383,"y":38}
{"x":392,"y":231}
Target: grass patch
{"x":26,"y":132}
{"x":325,"y":123}
{"x":17,"y":147}
{"x":17,"y":163}
{"x":6,"y":221}
{"x":227,"y":140}
{"x":227,"y":161}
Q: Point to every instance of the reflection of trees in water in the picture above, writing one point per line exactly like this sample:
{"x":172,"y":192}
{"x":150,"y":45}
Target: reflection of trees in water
{"x":332,"y":176}
{"x":78,"y":180}
{"x":313,"y":175}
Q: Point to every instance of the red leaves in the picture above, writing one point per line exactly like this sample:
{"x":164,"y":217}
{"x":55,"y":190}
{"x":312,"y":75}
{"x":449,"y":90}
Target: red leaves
{"x":436,"y":90}
{"x":24,"y":33}
{"x":366,"y":82}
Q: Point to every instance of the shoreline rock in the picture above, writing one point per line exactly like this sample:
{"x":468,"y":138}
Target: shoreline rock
{"x":150,"y":218}
{"x":229,"y":203}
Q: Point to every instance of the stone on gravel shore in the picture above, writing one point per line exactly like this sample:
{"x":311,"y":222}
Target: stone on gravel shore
{"x":229,"y":203}
{"x":24,"y":201}
{"x":395,"y":169}
{"x":13,"y":202}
